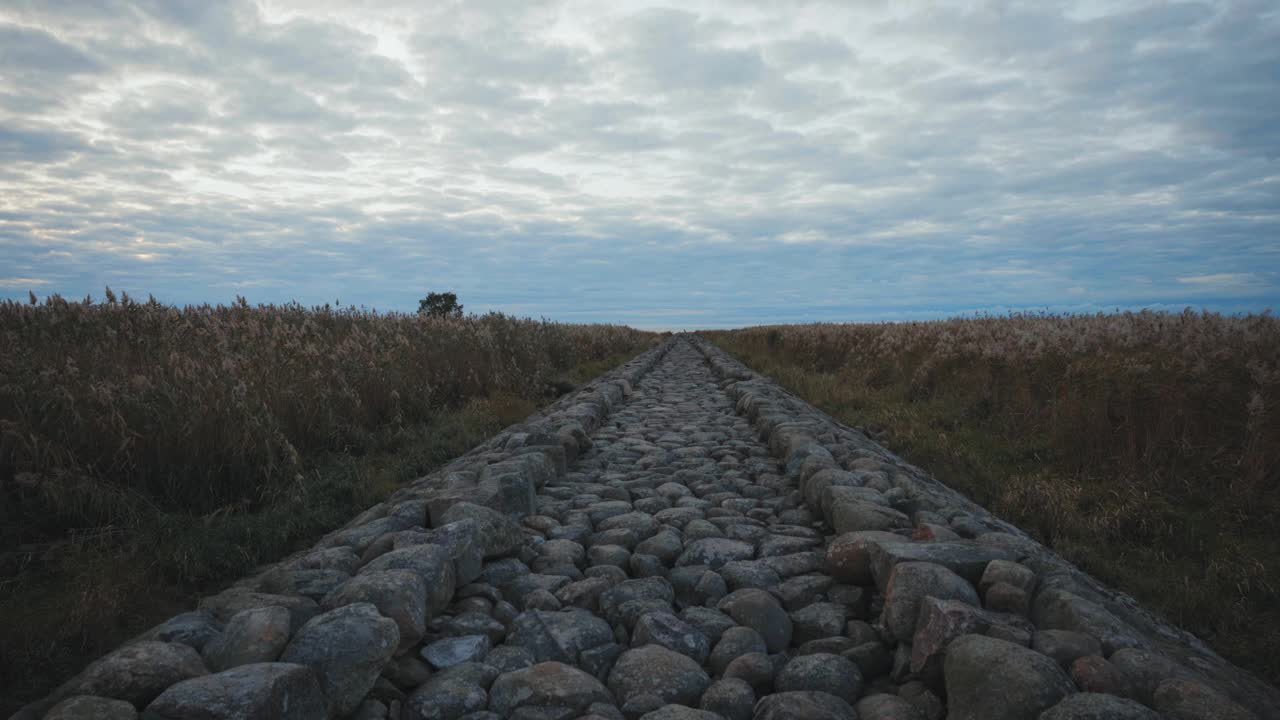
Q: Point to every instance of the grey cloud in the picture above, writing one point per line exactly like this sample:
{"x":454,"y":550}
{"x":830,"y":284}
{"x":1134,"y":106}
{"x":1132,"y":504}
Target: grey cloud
{"x":688,"y":167}
{"x":33,"y":54}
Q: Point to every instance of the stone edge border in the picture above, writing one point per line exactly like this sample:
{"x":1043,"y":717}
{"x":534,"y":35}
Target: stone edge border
{"x":809,"y":441}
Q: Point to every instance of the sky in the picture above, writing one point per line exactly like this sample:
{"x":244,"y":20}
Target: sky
{"x":715,"y":164}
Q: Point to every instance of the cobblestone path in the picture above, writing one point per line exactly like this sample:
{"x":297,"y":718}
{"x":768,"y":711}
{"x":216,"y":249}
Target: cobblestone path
{"x":684,"y":541}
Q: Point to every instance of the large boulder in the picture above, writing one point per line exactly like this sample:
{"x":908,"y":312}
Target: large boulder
{"x":1057,"y":609}
{"x":227,"y":603}
{"x":655,"y":670}
{"x":432,"y":563}
{"x":346,"y":648}
{"x":496,"y":534}
{"x":257,"y":635}
{"x":135,"y":673}
{"x":853,"y":515}
{"x":259,"y":691}
{"x":990,"y":679}
{"x":397,"y":594}
{"x":909,"y":584}
{"x":848,"y":557}
{"x":967,"y":559}
{"x":546,"y":685}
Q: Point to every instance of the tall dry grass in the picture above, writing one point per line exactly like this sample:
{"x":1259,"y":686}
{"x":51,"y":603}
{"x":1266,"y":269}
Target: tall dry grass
{"x":141,"y":442}
{"x":1144,"y":446}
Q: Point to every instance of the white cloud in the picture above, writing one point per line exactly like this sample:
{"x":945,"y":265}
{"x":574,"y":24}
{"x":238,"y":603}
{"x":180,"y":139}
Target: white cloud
{"x":734,"y":158}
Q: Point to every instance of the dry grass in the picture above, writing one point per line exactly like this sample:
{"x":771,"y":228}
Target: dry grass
{"x":148,"y":452}
{"x":1143,"y":446}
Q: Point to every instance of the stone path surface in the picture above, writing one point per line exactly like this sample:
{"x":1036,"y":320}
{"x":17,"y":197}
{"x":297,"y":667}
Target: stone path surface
{"x":680,"y":540}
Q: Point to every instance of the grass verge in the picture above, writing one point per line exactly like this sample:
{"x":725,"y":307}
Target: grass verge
{"x":1180,"y":530}
{"x":66,"y":602}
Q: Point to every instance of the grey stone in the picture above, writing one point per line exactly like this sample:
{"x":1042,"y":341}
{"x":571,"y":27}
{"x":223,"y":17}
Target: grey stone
{"x":816,"y":621}
{"x":735,"y":642}
{"x":195,"y":628}
{"x":656,"y":670}
{"x":715,"y":552}
{"x":397,"y":594}
{"x":665,"y":545}
{"x":848,"y":557}
{"x":822,"y":672}
{"x":852,"y":516}
{"x":761,"y":612}
{"x":462,"y":540}
{"x":1055,"y":609}
{"x":803,"y":705}
{"x":731,"y":698}
{"x":558,"y":636}
{"x":909,"y":584}
{"x":584,"y":593}
{"x":135,"y":673}
{"x":756,"y":669}
{"x":227,"y":603}
{"x":451,"y":694}
{"x":451,"y":651}
{"x":473,"y":623}
{"x":599,"y":660}
{"x":1095,"y":706}
{"x":883,"y":706}
{"x":509,"y":658}
{"x":641,"y":589}
{"x":968,"y":560}
{"x":346,"y":648}
{"x":643,"y":566}
{"x":497,"y":534}
{"x":615,"y":555}
{"x":989,"y":679}
{"x":1064,"y":646}
{"x":672,"y":633}
{"x":406,"y":671}
{"x":708,"y":621}
{"x":740,"y":574}
{"x":257,"y":635}
{"x":679,"y":712}
{"x":802,"y":590}
{"x":1191,"y":700}
{"x":91,"y":707}
{"x":548,"y":684}
{"x":259,"y":691}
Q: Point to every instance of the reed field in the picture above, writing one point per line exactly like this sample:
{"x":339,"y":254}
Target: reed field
{"x":149,"y":452}
{"x":1144,"y":447}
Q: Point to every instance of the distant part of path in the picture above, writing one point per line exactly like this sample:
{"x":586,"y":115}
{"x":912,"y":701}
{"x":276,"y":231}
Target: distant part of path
{"x":679,"y":540}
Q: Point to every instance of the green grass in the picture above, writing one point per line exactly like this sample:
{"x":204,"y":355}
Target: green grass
{"x":1180,"y":548}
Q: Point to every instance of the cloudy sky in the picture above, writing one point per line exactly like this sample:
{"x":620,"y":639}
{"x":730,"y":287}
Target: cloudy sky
{"x":715,"y":164}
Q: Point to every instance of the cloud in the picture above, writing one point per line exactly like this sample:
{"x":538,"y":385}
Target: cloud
{"x":1227,"y":279}
{"x":713,"y":164}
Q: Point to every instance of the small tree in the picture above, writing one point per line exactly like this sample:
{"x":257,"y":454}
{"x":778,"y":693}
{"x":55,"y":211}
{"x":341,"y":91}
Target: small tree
{"x":440,"y":305}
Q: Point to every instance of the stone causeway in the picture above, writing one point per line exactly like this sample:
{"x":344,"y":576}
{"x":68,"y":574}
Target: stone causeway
{"x":681,"y":539}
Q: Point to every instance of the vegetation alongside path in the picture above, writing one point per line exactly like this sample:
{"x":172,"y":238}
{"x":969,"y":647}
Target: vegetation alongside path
{"x":149,"y":454}
{"x":1144,"y":447}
